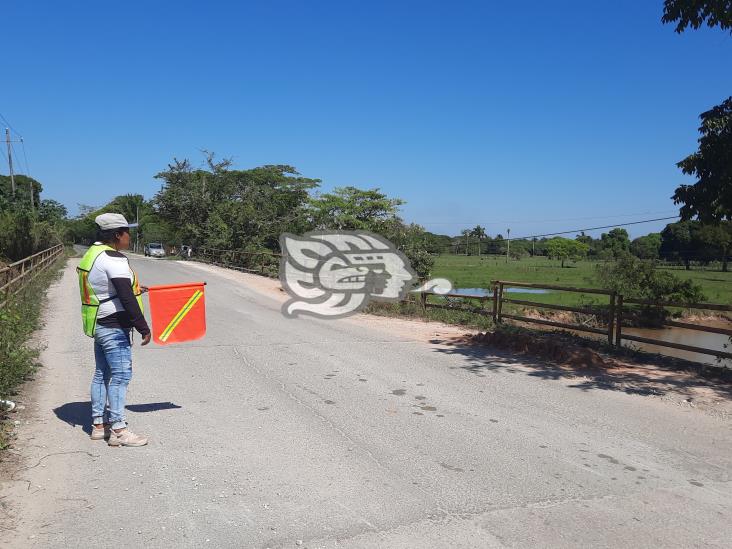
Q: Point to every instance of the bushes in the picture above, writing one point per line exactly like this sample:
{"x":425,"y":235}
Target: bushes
{"x":638,"y":279}
{"x":21,"y":234}
{"x":410,"y":309}
{"x":19,"y":318}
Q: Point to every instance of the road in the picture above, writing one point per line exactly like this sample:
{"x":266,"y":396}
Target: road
{"x":275,"y":432}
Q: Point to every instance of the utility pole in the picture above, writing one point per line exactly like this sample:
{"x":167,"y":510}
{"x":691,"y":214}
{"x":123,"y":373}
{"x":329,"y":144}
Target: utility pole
{"x":137,"y":230}
{"x":508,"y":243}
{"x":10,"y":161}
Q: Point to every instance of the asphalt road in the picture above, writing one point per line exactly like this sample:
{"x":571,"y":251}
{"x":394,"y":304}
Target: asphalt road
{"x":282,"y":433}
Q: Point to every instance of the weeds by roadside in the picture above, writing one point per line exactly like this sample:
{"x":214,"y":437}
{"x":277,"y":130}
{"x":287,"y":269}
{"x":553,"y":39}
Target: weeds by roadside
{"x":19,"y":318}
{"x":560,"y":342}
{"x":448,"y":316}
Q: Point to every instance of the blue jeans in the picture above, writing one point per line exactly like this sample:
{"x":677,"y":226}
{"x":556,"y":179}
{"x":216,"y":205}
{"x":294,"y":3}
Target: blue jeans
{"x":113,"y":356}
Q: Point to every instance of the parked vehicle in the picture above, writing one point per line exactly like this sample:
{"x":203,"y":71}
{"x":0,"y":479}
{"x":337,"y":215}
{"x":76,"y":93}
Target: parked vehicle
{"x":154,"y":249}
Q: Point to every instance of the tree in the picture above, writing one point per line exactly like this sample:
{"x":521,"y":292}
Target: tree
{"x":436,"y":243}
{"x":641,"y":279}
{"x":614,"y":244}
{"x":479,"y":233}
{"x":85,"y":209}
{"x":466,"y":237}
{"x":711,"y":242}
{"x":412,"y":240}
{"x":496,"y":246}
{"x":676,"y":242}
{"x":710,"y":198}
{"x":693,"y":13}
{"x":566,"y":249}
{"x":235,"y":209}
{"x":646,"y":247}
{"x":52,"y":211}
{"x":585,"y":239}
{"x":129,"y":205}
{"x":349,"y":208}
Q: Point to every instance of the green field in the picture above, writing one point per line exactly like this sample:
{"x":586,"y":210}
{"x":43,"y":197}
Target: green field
{"x":478,"y":272}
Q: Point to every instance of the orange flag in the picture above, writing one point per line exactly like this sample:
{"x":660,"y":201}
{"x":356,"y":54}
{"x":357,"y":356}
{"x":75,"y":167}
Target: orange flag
{"x":178,"y":312}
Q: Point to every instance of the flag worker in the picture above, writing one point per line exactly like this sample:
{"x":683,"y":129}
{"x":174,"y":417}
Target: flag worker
{"x":111,"y":306}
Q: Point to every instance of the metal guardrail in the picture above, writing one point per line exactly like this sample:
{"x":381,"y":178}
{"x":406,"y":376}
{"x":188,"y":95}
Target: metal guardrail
{"x":619,"y":336}
{"x":15,"y":276}
{"x":264,"y":263}
{"x":607,"y":317}
{"x":610,"y":317}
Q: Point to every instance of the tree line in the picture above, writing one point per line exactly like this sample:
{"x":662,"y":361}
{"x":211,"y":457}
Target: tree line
{"x":216,"y":206}
{"x":685,"y":242}
{"x":28,"y":226}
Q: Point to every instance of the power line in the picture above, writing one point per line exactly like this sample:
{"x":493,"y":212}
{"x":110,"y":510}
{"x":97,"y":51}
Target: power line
{"x":25,"y":157}
{"x":532,"y":221}
{"x":9,"y":125}
{"x":595,"y":228}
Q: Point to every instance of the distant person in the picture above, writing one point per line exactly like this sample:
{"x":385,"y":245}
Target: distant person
{"x":111,"y":308}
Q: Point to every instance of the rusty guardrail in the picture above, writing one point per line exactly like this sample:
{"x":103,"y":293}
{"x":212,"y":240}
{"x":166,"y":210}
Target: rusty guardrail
{"x":610,"y":318}
{"x":15,"y":276}
{"x":673,"y":324}
{"x":264,"y":263}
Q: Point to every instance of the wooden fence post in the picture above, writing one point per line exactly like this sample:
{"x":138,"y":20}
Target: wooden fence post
{"x":619,"y":320}
{"x":500,"y":301}
{"x":611,"y":319}
{"x":495,"y":301}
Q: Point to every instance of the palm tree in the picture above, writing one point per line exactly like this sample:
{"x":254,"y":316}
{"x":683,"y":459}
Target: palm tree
{"x":479,"y":233}
{"x":466,"y":234}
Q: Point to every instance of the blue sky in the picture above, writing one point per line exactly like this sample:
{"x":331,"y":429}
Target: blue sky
{"x":539,"y":116}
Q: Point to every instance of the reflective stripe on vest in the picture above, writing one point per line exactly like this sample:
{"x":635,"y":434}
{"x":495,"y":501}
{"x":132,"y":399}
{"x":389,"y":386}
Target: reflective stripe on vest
{"x":89,"y":300}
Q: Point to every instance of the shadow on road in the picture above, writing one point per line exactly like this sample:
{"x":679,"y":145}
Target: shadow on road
{"x":610,"y":374}
{"x":78,"y":414}
{"x":152,"y":407}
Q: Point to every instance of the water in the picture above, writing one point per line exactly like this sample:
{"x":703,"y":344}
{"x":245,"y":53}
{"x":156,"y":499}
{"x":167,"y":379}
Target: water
{"x":678,"y":335}
{"x":486,"y":292}
{"x":673,"y":335}
{"x":685,"y":337}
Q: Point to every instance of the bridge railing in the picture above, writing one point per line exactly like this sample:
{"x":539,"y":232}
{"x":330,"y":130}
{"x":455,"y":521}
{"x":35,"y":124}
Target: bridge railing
{"x":607,"y":320}
{"x":264,"y":263}
{"x":15,"y":276}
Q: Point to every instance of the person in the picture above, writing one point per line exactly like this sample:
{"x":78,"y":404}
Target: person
{"x":111,"y":308}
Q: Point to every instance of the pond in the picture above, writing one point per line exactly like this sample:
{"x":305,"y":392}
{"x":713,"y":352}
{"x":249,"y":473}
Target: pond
{"x":686,"y":337}
{"x":672,"y":334}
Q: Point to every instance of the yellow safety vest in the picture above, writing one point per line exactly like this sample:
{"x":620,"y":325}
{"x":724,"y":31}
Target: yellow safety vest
{"x":89,"y":301}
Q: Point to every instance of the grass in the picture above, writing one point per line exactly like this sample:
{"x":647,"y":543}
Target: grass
{"x":19,"y":318}
{"x":478,"y":272}
{"x":414,"y":310}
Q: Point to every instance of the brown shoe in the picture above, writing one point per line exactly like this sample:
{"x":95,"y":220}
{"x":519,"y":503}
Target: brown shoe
{"x":126,"y":438}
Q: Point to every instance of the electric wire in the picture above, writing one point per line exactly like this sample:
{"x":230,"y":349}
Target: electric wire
{"x":10,"y":126}
{"x":532,"y":221}
{"x":593,"y":228}
{"x":25,"y":158}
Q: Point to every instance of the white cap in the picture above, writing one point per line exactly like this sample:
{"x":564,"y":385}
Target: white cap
{"x":110,"y":221}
